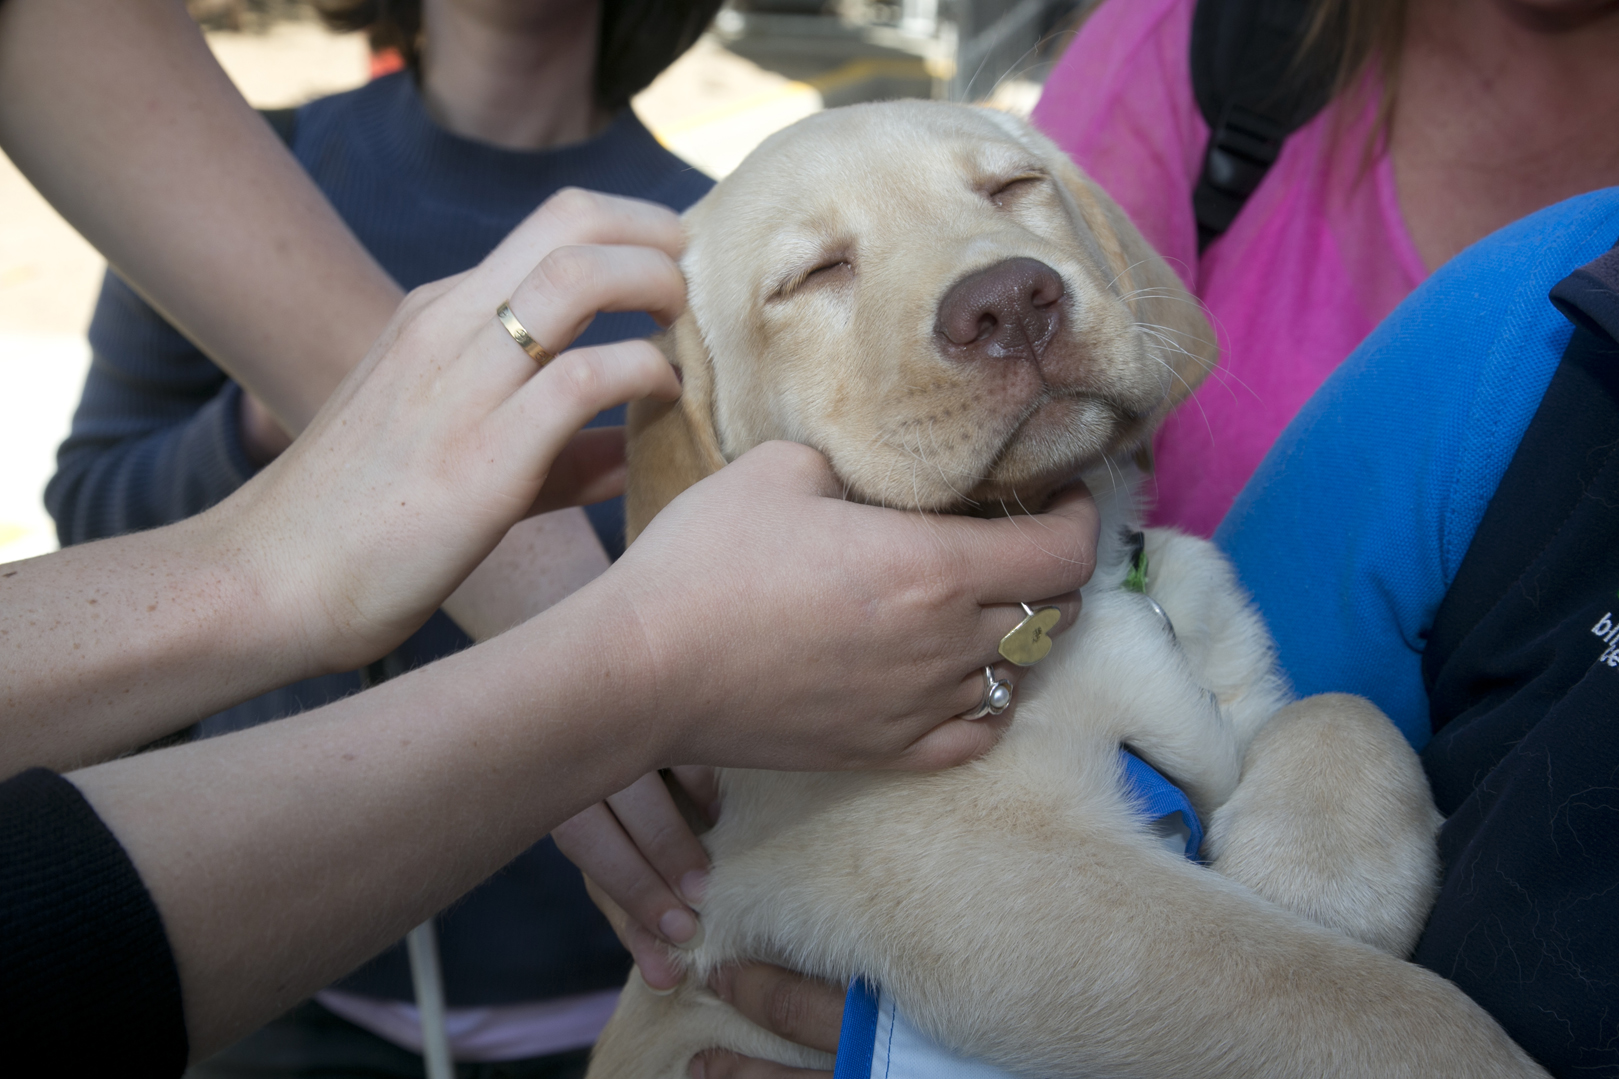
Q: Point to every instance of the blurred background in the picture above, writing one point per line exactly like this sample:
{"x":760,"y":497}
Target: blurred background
{"x":763,"y":65}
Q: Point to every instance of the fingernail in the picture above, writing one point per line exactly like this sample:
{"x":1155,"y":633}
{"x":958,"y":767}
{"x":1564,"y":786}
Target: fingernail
{"x":698,"y":1068}
{"x":694,"y":885}
{"x":654,"y":990}
{"x":678,"y":926}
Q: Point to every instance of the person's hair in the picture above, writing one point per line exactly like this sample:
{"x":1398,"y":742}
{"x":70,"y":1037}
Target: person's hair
{"x":1350,"y":37}
{"x":638,"y":38}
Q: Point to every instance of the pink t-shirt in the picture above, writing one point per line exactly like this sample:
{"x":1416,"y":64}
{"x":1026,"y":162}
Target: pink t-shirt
{"x":1315,"y":260}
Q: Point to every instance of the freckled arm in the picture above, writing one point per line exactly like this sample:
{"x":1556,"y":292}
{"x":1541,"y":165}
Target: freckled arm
{"x":107,"y":646}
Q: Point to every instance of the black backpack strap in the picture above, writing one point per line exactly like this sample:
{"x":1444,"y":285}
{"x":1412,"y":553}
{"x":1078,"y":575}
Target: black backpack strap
{"x":283,"y":121}
{"x":1253,"y":93}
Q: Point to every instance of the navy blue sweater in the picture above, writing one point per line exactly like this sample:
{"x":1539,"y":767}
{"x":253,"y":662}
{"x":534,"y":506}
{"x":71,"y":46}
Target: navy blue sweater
{"x":156,"y":439}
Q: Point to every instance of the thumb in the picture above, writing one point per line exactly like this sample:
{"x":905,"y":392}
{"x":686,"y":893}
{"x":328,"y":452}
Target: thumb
{"x":589,"y":469}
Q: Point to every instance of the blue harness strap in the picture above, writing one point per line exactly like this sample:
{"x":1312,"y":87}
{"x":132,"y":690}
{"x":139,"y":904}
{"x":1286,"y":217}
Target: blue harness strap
{"x":877,"y":1042}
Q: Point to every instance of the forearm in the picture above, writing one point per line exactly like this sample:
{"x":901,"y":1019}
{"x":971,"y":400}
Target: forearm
{"x":541,"y":562}
{"x":110,"y":486}
{"x":342,"y":828}
{"x":255,"y":266}
{"x":111,"y":645}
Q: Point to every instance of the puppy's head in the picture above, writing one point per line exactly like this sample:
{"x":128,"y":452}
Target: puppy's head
{"x":931,"y":295}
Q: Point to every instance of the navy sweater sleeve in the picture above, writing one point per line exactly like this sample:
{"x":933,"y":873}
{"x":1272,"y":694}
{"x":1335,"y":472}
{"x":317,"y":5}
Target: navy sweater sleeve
{"x":88,"y":985}
{"x":156,"y":437}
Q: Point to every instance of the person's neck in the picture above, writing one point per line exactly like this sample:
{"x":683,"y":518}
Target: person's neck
{"x":1504,"y":107}
{"x":520,"y":83}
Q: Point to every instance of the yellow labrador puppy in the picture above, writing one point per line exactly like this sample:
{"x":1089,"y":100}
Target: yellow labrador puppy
{"x":937,"y":300}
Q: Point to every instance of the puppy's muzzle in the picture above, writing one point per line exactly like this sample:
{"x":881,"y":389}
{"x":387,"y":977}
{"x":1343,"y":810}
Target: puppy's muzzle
{"x":1009,"y":311}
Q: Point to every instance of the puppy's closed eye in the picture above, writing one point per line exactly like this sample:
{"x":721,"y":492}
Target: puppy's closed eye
{"x":831,"y":271}
{"x":1007,"y":193}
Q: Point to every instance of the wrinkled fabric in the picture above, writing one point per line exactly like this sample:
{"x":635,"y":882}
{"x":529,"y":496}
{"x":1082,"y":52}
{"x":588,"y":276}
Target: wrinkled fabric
{"x":1318,"y":256}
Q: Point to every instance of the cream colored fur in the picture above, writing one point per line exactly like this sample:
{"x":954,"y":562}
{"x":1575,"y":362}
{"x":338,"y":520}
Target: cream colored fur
{"x":1016,"y":907}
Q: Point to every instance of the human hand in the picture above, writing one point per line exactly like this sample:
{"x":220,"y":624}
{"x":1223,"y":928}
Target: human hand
{"x":803,"y":1010}
{"x":448,"y":433}
{"x":784,"y":627}
{"x":639,"y":853}
{"x":894,"y":597}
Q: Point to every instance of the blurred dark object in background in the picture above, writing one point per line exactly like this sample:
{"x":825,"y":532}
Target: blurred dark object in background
{"x":249,"y":16}
{"x":957,"y":50}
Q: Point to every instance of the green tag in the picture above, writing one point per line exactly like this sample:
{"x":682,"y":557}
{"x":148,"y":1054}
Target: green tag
{"x":1136,"y":579}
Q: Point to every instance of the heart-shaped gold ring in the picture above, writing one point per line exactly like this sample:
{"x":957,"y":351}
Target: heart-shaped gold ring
{"x":1030,"y":640}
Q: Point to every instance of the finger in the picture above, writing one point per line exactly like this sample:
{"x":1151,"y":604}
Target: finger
{"x":652,"y":956}
{"x":719,"y":1064}
{"x":805,"y":1011}
{"x":1052,"y":553}
{"x":595,"y":840}
{"x":649,"y":815}
{"x":1068,"y":605}
{"x":959,"y":739}
{"x":554,"y":304}
{"x":1010,"y":558}
{"x":1000,"y":619}
{"x":793,"y":466}
{"x":953,"y":742}
{"x":544,"y":415}
{"x":590,"y":468}
{"x":702,"y":785}
{"x":560,"y":296}
{"x":576,"y":216}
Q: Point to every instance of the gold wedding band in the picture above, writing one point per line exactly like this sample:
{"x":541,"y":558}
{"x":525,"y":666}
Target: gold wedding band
{"x":520,"y":334}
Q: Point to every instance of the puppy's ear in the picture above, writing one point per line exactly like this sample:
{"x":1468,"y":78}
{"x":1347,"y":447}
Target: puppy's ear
{"x":1182,"y":336}
{"x":672,"y":444}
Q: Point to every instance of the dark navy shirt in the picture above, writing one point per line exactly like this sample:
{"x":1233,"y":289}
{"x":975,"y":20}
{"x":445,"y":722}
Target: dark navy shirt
{"x":156,"y":439}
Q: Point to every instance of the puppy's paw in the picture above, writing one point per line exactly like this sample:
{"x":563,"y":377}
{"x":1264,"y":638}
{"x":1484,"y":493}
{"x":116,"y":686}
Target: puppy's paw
{"x":1333,"y":819}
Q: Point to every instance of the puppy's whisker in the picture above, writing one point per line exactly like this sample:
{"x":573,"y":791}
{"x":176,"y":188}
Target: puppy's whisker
{"x":1171,"y":336}
{"x":1215,"y":371}
{"x":942,"y":475}
{"x":1121,"y":482}
{"x":1163,"y":292}
{"x":1190,"y":395}
{"x":1127,"y":269}
{"x":1167,"y":343}
{"x":1019,"y":68}
{"x":1169,"y":340}
{"x":960,"y":473}
{"x":1018,"y":521}
{"x":893,"y":461}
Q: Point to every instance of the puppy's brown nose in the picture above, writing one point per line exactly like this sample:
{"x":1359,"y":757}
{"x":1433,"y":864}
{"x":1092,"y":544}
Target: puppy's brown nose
{"x":1010,"y":310}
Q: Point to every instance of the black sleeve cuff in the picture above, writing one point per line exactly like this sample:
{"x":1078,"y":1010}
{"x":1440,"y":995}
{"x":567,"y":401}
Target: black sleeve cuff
{"x":88,"y":985}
